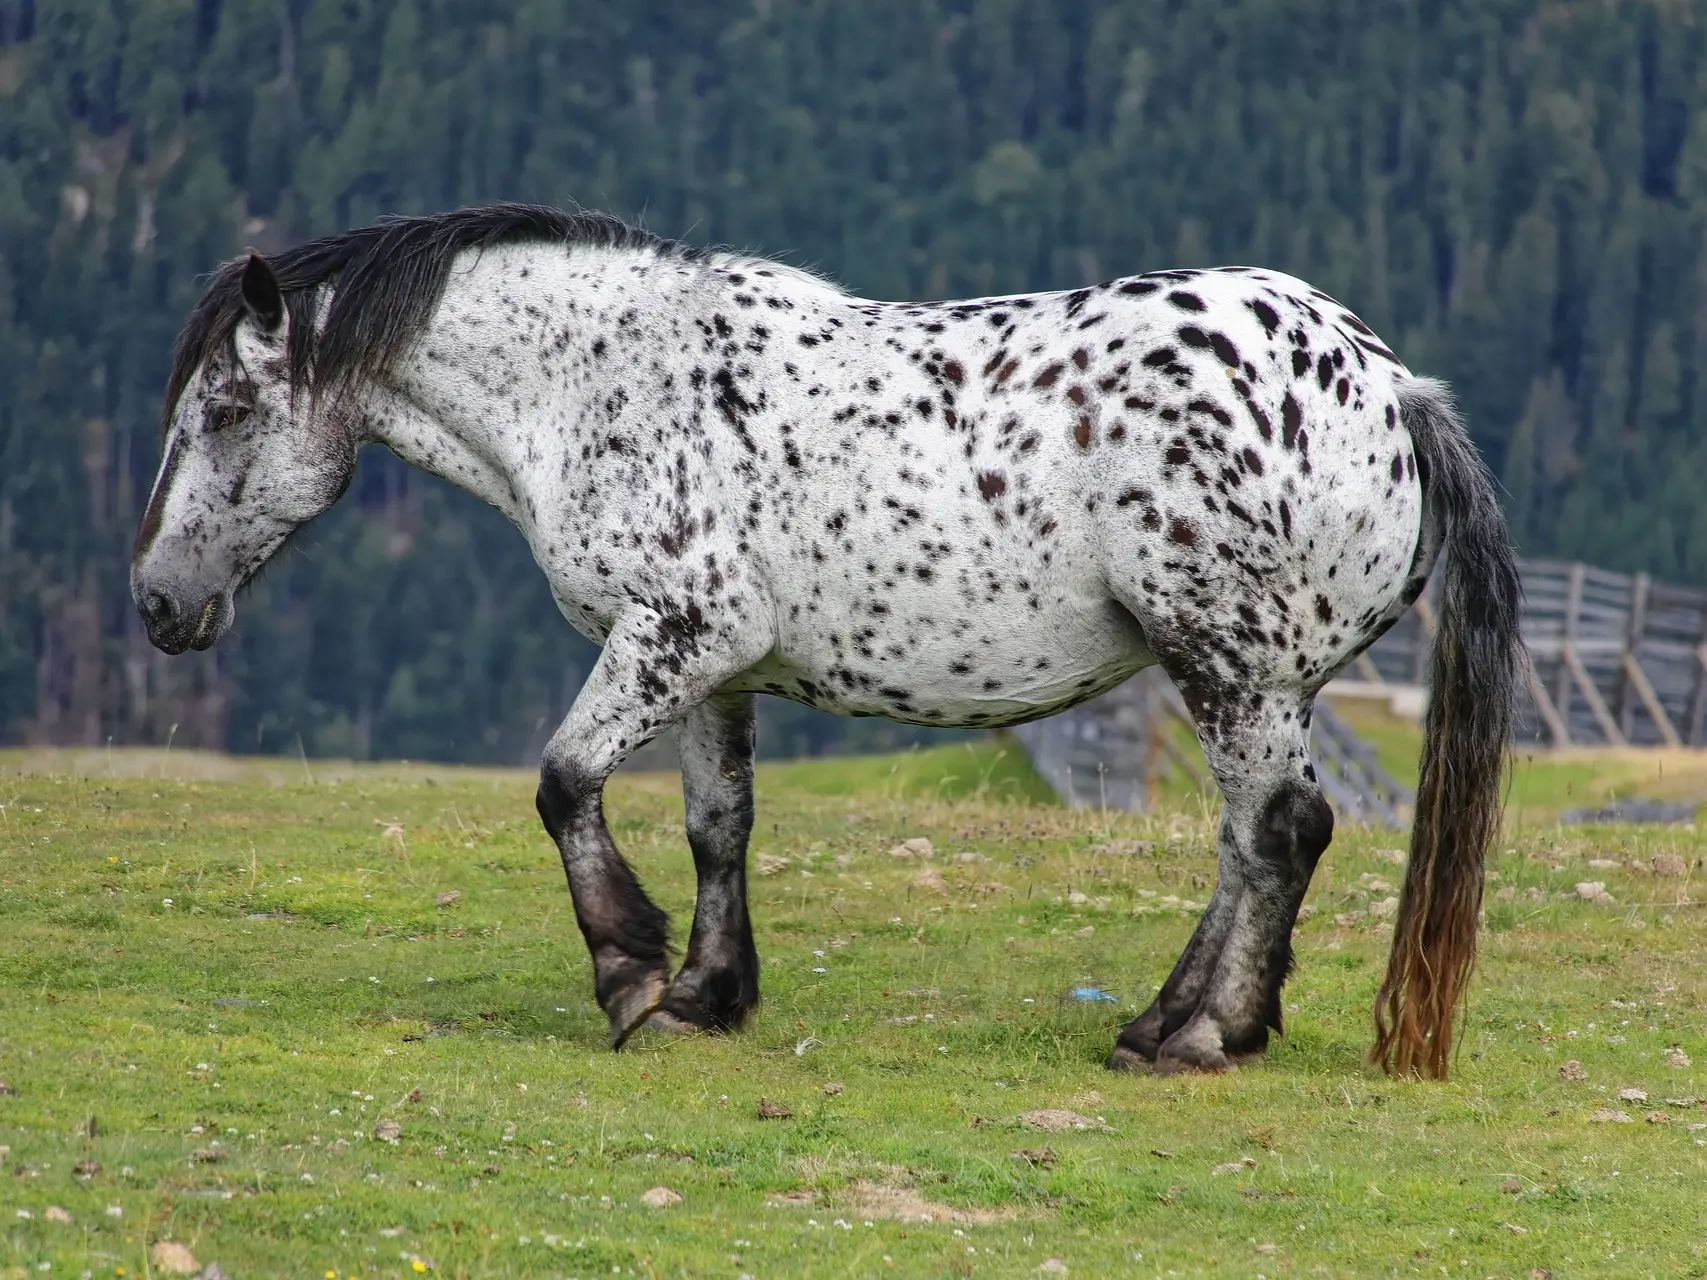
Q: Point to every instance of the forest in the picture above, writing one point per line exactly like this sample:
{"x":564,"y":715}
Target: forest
{"x":1513,"y":193}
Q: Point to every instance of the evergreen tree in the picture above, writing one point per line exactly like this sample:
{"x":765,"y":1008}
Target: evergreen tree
{"x":1514,"y":192}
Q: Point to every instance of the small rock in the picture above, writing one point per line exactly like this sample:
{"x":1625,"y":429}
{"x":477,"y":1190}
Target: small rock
{"x":388,"y":1131}
{"x":1375,"y":884}
{"x":213,"y":1271}
{"x":967,"y":855}
{"x":1077,"y":899}
{"x":172,"y":1257}
{"x":1676,"y":1057}
{"x":770,"y":863}
{"x":1657,"y":1117}
{"x":1669,"y":864}
{"x":391,"y":1233}
{"x":86,"y":1168}
{"x":1345,"y":919}
{"x":207,"y":1155}
{"x":832,"y":1089}
{"x":917,"y":847}
{"x":769,"y":1110}
{"x":661,"y":1198}
{"x":1593,"y":891}
{"x":56,"y":1214}
{"x":1234,"y":1166}
{"x":1395,"y":856}
{"x":1540,"y":1273}
{"x":1053,"y":1267}
{"x":1608,"y":1115}
{"x":928,"y":878}
{"x":1506,"y":893}
{"x":1632,"y":1094}
{"x":1384,"y":908}
{"x":1058,"y":1120}
{"x":7,"y":1091}
{"x":1572,"y":1072}
{"x":1605,"y":864}
{"x":1268,"y":1248}
{"x":1086,"y":932}
{"x":1038,"y":1157}
{"x":449,"y":899}
{"x":1306,"y":912}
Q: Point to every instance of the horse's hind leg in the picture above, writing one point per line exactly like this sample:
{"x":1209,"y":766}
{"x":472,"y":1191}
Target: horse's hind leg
{"x":719,"y":981}
{"x":1180,"y":994}
{"x":1275,"y":827}
{"x":653,"y":669}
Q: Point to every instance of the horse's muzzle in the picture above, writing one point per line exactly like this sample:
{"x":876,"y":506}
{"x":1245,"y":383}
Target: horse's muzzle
{"x":172,"y":628}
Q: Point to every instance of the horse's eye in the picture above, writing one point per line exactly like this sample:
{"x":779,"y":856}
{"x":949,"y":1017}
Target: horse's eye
{"x":227,"y":415}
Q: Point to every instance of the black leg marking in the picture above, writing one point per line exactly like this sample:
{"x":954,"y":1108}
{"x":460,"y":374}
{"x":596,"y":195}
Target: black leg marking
{"x":625,"y":931}
{"x":1282,"y":844}
{"x":1178,"y":999}
{"x":718,"y":985}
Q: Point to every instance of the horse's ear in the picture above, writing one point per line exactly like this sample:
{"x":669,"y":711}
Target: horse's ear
{"x":261,"y":293}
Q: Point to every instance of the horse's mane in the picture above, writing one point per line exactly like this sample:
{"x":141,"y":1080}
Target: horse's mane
{"x":388,"y":278}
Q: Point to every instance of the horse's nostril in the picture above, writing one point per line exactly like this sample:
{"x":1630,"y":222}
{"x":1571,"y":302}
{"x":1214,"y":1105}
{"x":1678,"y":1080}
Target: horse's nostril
{"x":157,"y":608}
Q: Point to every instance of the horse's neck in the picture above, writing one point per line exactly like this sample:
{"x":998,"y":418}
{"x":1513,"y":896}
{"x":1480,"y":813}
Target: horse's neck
{"x":503,"y":372}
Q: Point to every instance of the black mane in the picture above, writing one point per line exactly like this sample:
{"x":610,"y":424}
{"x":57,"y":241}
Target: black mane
{"x":388,"y":280}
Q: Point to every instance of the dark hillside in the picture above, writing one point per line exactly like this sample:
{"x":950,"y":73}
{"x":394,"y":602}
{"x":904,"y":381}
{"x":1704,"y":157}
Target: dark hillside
{"x":1513,"y":192}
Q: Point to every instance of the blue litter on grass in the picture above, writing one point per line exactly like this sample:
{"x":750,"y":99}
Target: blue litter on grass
{"x":1092,"y":995}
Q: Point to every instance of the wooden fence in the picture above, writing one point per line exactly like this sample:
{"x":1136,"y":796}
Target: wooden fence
{"x":1619,"y":659}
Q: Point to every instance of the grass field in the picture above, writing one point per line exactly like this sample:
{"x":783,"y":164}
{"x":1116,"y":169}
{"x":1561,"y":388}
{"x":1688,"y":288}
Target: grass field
{"x":235,"y":1016}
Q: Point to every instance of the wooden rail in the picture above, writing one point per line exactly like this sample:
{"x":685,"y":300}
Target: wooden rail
{"x":1616,"y":659}
{"x":1619,"y":659}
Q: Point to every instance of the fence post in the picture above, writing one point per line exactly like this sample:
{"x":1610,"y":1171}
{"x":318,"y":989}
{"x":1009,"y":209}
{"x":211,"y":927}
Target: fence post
{"x":1636,"y":624}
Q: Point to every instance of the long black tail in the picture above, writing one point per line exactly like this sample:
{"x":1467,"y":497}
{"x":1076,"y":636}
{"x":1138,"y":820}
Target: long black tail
{"x":1476,"y":670}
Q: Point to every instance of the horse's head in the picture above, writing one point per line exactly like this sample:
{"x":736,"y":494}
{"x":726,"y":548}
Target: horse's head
{"x":249,"y":458}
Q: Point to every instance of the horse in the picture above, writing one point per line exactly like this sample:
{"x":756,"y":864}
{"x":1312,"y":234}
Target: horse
{"x":739,"y":478}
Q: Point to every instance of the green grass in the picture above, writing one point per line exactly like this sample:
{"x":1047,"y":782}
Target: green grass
{"x":226,"y":1056}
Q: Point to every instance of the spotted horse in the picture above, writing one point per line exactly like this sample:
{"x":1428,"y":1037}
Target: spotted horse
{"x":740,"y":479}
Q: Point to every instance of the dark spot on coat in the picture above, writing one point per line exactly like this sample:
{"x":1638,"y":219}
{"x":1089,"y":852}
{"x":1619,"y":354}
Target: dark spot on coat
{"x":1290,"y":418}
{"x":1269,"y":317}
{"x":1185,"y":301}
{"x":992,"y":485}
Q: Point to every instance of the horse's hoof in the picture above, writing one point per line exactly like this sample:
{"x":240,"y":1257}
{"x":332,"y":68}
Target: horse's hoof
{"x":1194,"y":1047}
{"x":1125,"y":1059}
{"x":667,"y":1022}
{"x":1143,"y":1036}
{"x":630,"y":1007}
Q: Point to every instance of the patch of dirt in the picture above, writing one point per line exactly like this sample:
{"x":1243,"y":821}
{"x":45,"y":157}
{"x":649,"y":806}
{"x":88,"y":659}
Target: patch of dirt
{"x":900,"y":1204}
{"x":1058,"y":1120}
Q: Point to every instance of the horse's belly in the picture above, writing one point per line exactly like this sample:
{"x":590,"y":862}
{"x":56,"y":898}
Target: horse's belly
{"x":999,"y":668}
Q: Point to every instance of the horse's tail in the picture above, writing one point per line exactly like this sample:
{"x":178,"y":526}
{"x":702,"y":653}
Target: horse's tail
{"x":1477,"y":665}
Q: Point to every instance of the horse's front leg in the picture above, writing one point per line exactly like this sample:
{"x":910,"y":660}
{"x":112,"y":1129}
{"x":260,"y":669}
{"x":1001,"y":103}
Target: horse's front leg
{"x":719,"y":982}
{"x":654,"y":668}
